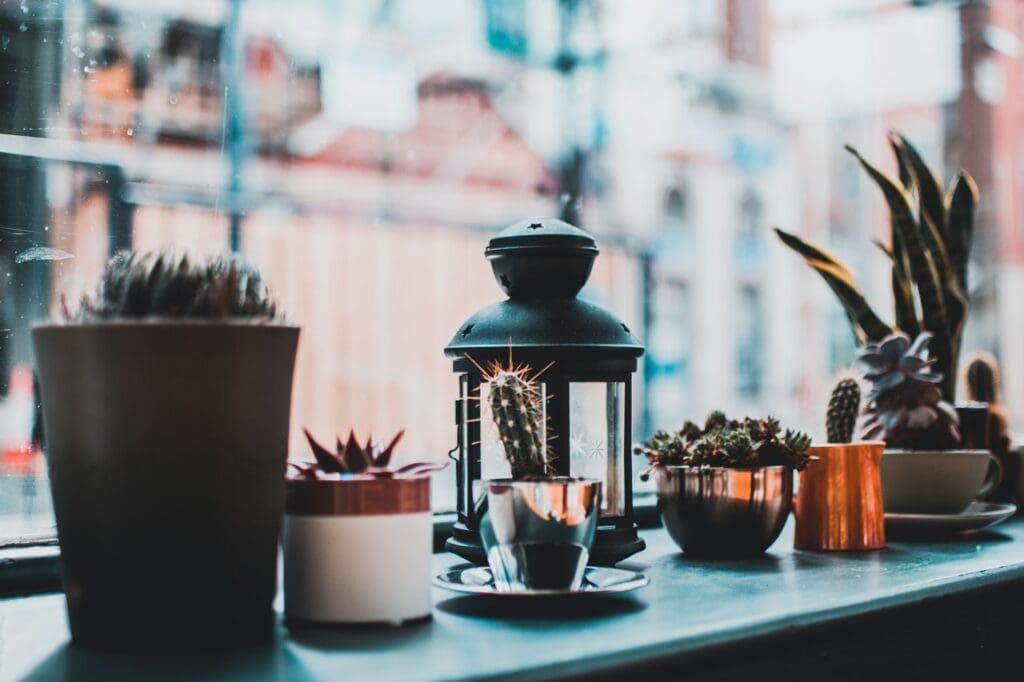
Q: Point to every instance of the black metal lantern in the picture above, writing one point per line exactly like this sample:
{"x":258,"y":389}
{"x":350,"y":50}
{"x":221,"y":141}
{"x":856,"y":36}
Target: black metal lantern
{"x":542,"y":264}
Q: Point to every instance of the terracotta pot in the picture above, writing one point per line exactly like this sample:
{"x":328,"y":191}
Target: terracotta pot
{"x":166,"y":446}
{"x":839,"y":499}
{"x":358,"y":550}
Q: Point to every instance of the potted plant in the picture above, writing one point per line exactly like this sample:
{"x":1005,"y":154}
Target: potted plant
{"x":725,"y":488}
{"x":839,"y":498}
{"x":923,"y":470}
{"x":537,"y":528}
{"x":358,"y":536}
{"x":165,"y":400}
{"x":928,"y":250}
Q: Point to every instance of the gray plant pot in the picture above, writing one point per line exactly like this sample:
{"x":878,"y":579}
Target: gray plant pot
{"x":166,"y":445}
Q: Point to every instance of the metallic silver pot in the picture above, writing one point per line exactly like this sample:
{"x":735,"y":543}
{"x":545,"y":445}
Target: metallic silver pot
{"x":722,"y":512}
{"x":537,"y":534}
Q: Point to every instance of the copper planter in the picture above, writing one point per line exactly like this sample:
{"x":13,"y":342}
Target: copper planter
{"x":839,"y":499}
{"x":721,"y":512}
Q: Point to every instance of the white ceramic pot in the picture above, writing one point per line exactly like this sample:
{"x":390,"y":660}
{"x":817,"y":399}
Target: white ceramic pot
{"x":358,"y":550}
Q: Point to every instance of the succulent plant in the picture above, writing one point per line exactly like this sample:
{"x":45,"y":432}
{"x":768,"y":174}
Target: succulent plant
{"x":724,"y":442}
{"x":518,"y":412}
{"x":843,"y":409}
{"x":372,"y":459}
{"x":929,"y":249}
{"x":905,"y":406}
{"x":164,"y":285}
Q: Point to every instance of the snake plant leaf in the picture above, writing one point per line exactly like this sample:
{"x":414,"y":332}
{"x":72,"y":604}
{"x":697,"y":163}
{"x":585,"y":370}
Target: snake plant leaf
{"x":906,"y":175}
{"x":867,"y":326}
{"x":808,"y":250}
{"x":963,"y":197}
{"x":902,"y":294}
{"x":923,"y":270}
{"x":929,"y":189}
{"x":922,"y":264}
{"x":937,"y":235}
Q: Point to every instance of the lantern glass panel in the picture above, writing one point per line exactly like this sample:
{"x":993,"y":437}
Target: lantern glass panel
{"x":597,"y":439}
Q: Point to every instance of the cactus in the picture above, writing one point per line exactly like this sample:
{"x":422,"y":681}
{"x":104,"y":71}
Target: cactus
{"x":843,"y":408}
{"x":162,"y":285}
{"x":905,"y":406}
{"x":983,"y":386}
{"x":983,"y":379}
{"x":724,"y":442}
{"x":372,"y":459}
{"x":518,"y":412}
{"x":928,"y":252}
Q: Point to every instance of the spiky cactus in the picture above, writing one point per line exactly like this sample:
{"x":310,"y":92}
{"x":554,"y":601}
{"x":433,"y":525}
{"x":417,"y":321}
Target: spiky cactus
{"x":518,"y":411}
{"x":163,"y":285}
{"x":983,"y":386}
{"x":983,"y":379}
{"x":929,"y":251}
{"x":843,"y":409}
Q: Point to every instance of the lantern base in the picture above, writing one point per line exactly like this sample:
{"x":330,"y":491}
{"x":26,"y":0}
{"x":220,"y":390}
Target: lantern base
{"x":611,"y":544}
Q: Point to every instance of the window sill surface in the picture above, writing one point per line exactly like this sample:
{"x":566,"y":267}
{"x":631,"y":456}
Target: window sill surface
{"x":689,"y":609}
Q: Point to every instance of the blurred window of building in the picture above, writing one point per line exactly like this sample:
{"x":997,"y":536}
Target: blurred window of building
{"x":749,"y":342}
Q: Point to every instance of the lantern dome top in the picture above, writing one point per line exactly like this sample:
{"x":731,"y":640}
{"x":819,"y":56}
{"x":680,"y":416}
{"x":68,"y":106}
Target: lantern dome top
{"x":542,"y":263}
{"x":541,"y":233}
{"x":541,"y":258}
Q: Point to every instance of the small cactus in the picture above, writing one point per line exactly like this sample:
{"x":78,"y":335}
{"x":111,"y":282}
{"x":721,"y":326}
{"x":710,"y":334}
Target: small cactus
{"x":518,"y":412}
{"x":983,"y":379}
{"x":843,"y":408}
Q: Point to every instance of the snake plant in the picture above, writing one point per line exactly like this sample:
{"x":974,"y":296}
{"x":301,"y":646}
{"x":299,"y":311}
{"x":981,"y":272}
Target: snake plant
{"x":929,"y":246}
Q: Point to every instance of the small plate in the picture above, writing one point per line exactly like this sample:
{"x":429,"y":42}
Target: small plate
{"x":977,"y":516}
{"x":596,"y":580}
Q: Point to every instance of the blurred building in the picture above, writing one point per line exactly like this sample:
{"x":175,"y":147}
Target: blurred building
{"x":383,"y":142}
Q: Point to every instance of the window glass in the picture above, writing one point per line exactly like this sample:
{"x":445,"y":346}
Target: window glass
{"x":363,"y":152}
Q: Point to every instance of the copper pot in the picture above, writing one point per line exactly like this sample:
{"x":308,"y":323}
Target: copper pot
{"x":839,"y":499}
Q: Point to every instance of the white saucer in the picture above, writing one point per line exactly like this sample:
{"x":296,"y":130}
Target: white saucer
{"x":596,"y":580}
{"x":977,"y":516}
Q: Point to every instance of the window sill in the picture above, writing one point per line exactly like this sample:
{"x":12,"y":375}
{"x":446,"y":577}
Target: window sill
{"x":893,"y":613}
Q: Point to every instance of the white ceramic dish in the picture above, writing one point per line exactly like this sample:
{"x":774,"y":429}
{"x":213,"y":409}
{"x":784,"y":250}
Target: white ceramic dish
{"x":596,"y":580}
{"x":977,"y":516}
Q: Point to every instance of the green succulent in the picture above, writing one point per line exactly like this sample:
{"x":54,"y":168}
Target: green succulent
{"x":929,"y":247}
{"x":724,"y":442}
{"x":163,"y":285}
